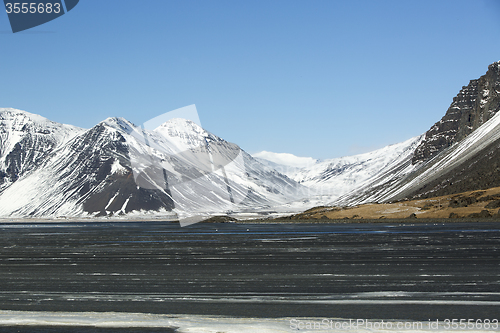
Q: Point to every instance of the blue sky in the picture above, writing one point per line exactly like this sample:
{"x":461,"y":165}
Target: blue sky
{"x":318,"y":78}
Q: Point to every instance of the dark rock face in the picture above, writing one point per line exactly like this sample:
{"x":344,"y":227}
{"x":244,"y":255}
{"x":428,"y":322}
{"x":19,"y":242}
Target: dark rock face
{"x":429,"y":173}
{"x":120,"y":194}
{"x":34,"y":145}
{"x":473,"y":106}
{"x":90,"y":180}
{"x":480,"y":172}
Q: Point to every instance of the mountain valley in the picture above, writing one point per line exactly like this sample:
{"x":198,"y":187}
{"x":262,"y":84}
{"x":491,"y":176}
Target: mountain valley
{"x":178,"y":169}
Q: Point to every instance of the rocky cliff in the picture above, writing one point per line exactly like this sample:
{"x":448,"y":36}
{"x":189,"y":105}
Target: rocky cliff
{"x":475,"y":104}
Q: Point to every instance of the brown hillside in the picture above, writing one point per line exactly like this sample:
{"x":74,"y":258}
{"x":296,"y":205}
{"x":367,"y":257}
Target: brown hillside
{"x":485,"y":203}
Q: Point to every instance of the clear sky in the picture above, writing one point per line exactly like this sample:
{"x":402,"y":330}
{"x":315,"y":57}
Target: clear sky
{"x":318,"y":78}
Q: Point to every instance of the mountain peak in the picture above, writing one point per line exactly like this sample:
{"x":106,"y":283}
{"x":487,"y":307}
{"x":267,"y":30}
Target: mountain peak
{"x":20,"y":120}
{"x":119,"y":123}
{"x":494,"y":66}
{"x":185,"y":134}
{"x":178,"y":125}
{"x":473,"y":106}
{"x":26,"y":139}
{"x":51,"y":169}
{"x":11,"y":113}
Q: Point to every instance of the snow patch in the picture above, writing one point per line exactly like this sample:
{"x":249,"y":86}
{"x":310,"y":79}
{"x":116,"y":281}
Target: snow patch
{"x":117,"y":168}
{"x":286,"y":159}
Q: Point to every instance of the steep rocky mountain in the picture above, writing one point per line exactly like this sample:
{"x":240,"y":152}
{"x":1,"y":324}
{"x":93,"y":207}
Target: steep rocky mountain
{"x":26,"y":140}
{"x":471,"y":164}
{"x":116,"y":168}
{"x":86,"y":175}
{"x":468,"y":165}
{"x":475,"y":104}
{"x":459,"y":153}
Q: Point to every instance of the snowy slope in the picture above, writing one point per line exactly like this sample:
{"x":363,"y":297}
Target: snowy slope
{"x":116,"y":168}
{"x":336,"y":177}
{"x":204,"y":172}
{"x":390,"y":185}
{"x":78,"y":178}
{"x":285,"y":159}
{"x":449,"y":159}
{"x":446,"y":159}
{"x":26,"y":139}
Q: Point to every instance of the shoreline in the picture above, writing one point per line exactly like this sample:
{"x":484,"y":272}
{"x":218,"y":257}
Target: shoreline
{"x":76,"y":220}
{"x":372,"y":221}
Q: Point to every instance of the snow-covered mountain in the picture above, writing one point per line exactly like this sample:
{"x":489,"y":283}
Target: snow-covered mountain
{"x":290,"y":161}
{"x":461,"y":152}
{"x":441,"y":161}
{"x":26,"y":140}
{"x":473,"y":106}
{"x":335,"y":177}
{"x":461,"y":167}
{"x":117,"y":168}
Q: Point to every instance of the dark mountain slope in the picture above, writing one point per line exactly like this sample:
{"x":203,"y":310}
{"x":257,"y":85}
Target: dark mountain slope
{"x":479,"y":172}
{"x":101,"y":175}
{"x":26,"y":140}
{"x":473,"y":106}
{"x":459,"y":153}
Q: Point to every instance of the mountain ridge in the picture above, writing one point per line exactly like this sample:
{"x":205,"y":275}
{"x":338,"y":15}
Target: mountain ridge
{"x":471,"y":110}
{"x":92,"y":173}
{"x":475,"y":104}
{"x":179,"y":169}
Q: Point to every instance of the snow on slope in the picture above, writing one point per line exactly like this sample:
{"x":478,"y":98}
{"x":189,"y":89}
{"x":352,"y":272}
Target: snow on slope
{"x":450,"y":158}
{"x":16,"y":124}
{"x":336,"y":177}
{"x":117,"y":168}
{"x":59,"y":185}
{"x":216,"y":175}
{"x":51,"y":169}
{"x":370,"y":189}
{"x":286,"y":159}
{"x":397,"y":182}
{"x":26,"y":139}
